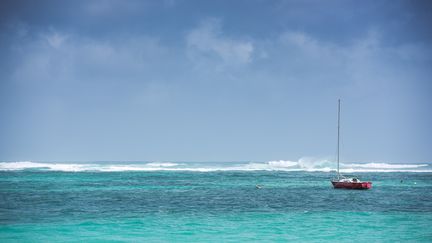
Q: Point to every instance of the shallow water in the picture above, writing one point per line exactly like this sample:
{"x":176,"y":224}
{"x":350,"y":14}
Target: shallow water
{"x":40,"y":205}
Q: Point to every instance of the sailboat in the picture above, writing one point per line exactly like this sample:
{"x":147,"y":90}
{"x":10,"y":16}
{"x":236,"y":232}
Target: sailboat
{"x":342,"y":181}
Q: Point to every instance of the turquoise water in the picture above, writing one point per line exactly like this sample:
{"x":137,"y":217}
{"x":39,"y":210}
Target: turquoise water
{"x":213,"y":206}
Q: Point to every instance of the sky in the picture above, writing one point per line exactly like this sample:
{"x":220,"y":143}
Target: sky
{"x":243,"y":80}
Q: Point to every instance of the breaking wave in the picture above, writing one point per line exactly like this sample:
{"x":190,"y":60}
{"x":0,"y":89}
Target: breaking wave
{"x":162,"y":164}
{"x":303,"y":164}
{"x":386,"y":166}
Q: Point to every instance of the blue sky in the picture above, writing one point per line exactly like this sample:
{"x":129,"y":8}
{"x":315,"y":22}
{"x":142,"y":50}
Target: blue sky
{"x":180,"y":80}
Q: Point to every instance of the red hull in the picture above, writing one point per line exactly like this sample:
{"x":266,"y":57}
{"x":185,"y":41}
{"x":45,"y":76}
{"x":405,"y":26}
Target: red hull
{"x":352,"y":185}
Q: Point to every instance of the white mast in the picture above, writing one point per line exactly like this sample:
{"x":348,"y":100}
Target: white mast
{"x":338,"y":138}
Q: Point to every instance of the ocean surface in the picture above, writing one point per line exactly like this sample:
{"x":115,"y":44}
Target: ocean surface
{"x":213,"y":202}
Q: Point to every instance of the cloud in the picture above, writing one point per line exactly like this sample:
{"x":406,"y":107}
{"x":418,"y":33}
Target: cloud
{"x":61,"y":64}
{"x":56,"y":39}
{"x":81,"y":53}
{"x":370,"y":46}
{"x":207,"y":40}
{"x":300,"y":39}
{"x":364,"y":60}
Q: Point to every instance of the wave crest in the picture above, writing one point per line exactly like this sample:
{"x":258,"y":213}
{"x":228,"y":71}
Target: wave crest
{"x":162,"y":164}
{"x":282,"y":163}
{"x":303,"y":164}
{"x":385,"y":166}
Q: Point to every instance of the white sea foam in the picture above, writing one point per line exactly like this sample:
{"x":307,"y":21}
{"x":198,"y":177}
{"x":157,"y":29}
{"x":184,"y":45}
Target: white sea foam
{"x":309,"y":163}
{"x":162,"y":164}
{"x":304,"y":164}
{"x":385,"y":166}
{"x":45,"y":166}
{"x":350,"y":171}
{"x":282,"y":163}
